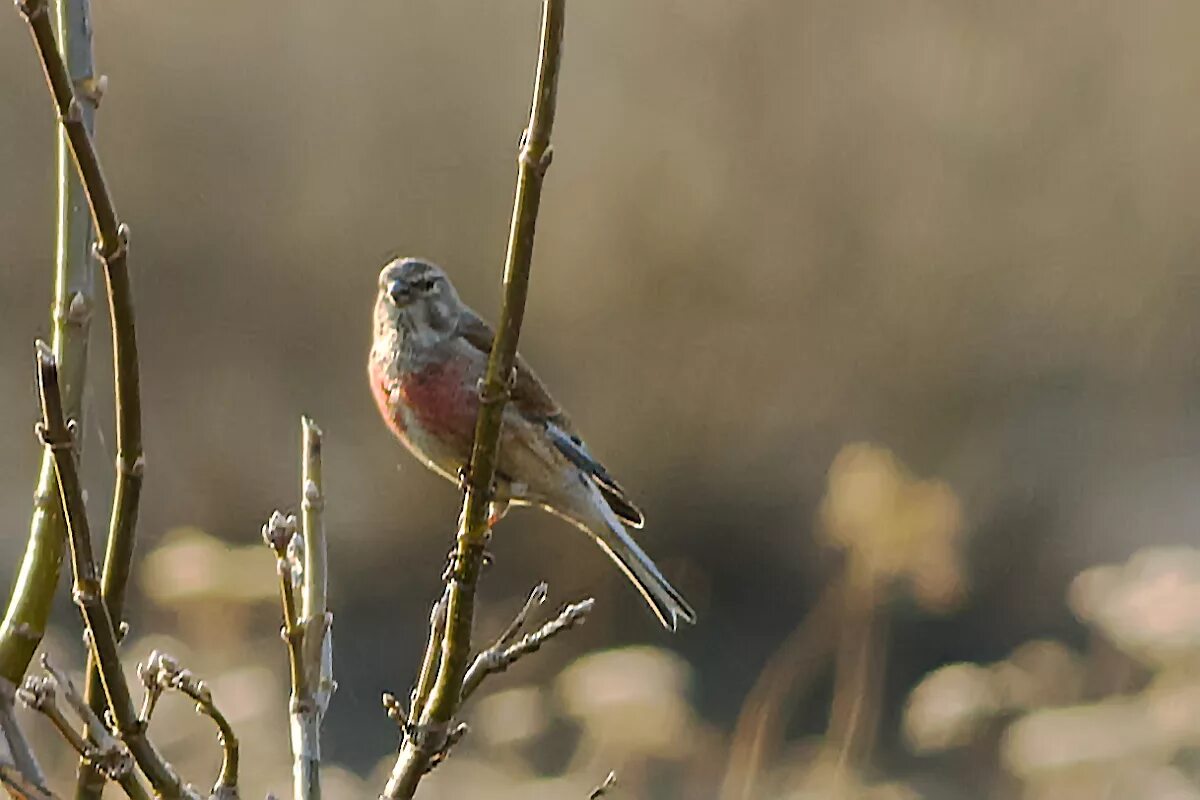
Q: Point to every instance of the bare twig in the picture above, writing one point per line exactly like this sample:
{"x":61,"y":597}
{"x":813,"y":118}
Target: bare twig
{"x":71,"y":313}
{"x":19,"y":787}
{"x":429,"y":662}
{"x":501,"y":655}
{"x":279,"y":533}
{"x":302,"y":562}
{"x":162,"y":673}
{"x":102,"y":640}
{"x":535,"y":599}
{"x":18,"y":765}
{"x":96,"y":745}
{"x":610,"y":781}
{"x":434,"y":725}
{"x":40,"y":694}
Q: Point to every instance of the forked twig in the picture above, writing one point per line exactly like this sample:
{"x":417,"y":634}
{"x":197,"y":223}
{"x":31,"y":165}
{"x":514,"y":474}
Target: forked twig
{"x":96,"y":745}
{"x":161,"y":673}
{"x":302,"y":562}
{"x":501,"y":655}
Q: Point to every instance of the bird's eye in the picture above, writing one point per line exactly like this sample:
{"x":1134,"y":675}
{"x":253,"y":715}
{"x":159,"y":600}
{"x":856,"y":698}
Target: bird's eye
{"x":427,"y":284}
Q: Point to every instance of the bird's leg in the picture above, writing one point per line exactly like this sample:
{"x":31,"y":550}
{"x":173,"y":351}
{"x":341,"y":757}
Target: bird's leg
{"x":496,"y":511}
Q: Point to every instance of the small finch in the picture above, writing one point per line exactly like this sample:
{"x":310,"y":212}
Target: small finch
{"x":429,"y":353}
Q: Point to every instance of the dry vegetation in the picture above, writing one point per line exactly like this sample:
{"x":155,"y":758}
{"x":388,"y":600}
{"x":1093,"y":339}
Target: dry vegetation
{"x":775,"y":229}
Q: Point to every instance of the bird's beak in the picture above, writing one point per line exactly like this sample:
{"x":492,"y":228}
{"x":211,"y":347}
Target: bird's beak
{"x":400,"y":292}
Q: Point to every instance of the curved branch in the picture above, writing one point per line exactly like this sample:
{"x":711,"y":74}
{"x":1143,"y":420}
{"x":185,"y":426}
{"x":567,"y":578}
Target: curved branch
{"x":161,"y":673}
{"x":111,"y":248}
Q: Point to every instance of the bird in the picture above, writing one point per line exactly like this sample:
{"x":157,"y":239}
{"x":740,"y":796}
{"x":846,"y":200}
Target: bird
{"x":428,"y":357}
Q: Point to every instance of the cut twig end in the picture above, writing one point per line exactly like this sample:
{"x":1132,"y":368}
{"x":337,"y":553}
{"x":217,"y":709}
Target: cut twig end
{"x":610,"y":781}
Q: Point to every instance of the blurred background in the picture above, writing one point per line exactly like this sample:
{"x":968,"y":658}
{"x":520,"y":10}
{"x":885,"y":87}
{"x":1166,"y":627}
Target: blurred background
{"x":886,"y":312}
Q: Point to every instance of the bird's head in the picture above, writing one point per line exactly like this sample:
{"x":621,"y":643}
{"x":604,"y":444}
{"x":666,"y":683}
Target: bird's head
{"x":416,"y":300}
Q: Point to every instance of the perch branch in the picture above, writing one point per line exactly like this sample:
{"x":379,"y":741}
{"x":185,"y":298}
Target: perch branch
{"x":162,"y":673}
{"x":71,"y":313}
{"x":101,"y":636}
{"x":434,"y":725}
{"x":501,"y":655}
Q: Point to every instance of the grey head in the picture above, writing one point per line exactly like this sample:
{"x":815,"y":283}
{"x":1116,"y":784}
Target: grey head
{"x":416,"y":302}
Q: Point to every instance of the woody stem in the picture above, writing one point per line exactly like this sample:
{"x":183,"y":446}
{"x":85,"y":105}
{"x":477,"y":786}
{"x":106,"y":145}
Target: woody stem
{"x":533,"y":159}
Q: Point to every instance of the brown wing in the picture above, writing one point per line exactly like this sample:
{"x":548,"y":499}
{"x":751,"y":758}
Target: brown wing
{"x":529,"y":394}
{"x":533,"y":400}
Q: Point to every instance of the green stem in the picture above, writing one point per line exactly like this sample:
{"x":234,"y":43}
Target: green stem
{"x":112,"y":250}
{"x":313,"y":685}
{"x":533,"y":159}
{"x":74,"y":297}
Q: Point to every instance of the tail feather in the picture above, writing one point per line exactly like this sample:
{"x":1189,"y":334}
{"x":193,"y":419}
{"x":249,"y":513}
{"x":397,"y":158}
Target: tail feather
{"x":667,"y":603}
{"x":577,"y":453}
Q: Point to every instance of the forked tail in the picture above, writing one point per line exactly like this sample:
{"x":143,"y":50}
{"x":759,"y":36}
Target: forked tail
{"x":604,"y":526}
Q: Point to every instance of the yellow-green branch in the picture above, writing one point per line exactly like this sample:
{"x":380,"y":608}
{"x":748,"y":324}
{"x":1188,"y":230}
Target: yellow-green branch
{"x":533,"y":159}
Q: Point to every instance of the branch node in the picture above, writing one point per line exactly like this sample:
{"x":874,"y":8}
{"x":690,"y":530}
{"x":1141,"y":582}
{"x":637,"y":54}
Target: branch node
{"x":96,"y":745}
{"x":78,"y":311}
{"x":73,"y":114}
{"x":92,"y":89}
{"x":31,"y":9}
{"x":504,"y":651}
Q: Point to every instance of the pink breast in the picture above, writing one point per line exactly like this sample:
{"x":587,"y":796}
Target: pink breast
{"x":442,"y":401}
{"x":381,"y":391}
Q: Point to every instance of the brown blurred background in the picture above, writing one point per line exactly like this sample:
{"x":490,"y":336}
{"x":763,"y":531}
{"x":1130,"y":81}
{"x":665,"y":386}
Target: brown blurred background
{"x":965,"y":231}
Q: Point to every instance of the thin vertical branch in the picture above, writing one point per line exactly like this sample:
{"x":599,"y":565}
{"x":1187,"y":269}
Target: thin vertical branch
{"x":431,"y":731}
{"x":111,"y":249}
{"x":71,"y":312}
{"x":302,"y":561}
{"x":74,"y":297}
{"x":101,"y":638}
{"x":310,"y":697}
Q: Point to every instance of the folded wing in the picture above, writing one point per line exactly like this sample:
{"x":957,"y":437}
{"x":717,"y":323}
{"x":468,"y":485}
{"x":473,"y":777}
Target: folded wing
{"x":534,"y":402}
